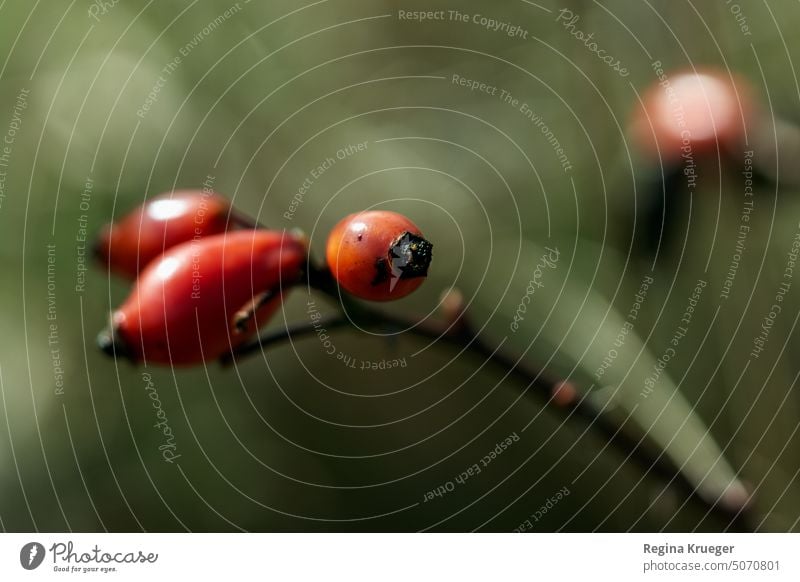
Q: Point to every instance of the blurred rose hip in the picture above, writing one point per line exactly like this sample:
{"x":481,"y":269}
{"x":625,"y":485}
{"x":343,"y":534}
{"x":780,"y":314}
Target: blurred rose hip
{"x":692,"y":113}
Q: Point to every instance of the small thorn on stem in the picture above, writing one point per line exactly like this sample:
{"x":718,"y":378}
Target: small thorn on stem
{"x":736,"y":497}
{"x":564,"y":394}
{"x":452,"y":305}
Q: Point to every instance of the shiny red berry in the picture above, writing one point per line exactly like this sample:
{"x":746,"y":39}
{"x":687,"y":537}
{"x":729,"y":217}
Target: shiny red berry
{"x":378,"y":255}
{"x":129,"y":245}
{"x":692,"y":113}
{"x":202,"y":299}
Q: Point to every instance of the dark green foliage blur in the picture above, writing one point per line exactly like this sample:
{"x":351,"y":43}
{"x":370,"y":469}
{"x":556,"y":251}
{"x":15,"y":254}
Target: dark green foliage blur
{"x":295,"y":440}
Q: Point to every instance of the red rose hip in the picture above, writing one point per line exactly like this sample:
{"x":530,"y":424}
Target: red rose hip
{"x":202,"y":299}
{"x":129,"y":245}
{"x":700,"y":110}
{"x":378,"y":255}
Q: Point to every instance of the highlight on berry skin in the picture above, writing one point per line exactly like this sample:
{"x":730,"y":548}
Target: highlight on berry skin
{"x":127,"y":246}
{"x":378,"y":255}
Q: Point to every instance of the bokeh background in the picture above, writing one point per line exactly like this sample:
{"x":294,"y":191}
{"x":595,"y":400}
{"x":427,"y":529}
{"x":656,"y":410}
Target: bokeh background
{"x":293,"y":439}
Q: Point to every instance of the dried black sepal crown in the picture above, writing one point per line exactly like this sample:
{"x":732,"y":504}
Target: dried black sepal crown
{"x":409,"y":257}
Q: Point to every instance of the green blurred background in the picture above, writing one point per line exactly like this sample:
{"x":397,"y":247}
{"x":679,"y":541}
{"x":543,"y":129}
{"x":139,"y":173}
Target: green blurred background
{"x":295,"y":440}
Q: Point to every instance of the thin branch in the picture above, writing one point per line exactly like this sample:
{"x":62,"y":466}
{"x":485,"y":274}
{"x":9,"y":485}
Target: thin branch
{"x":291,"y":332}
{"x":455,"y":329}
